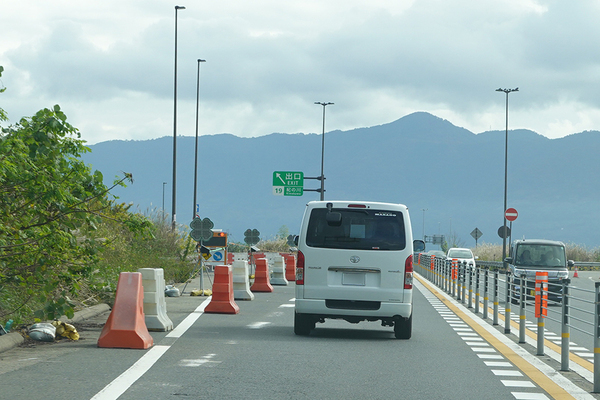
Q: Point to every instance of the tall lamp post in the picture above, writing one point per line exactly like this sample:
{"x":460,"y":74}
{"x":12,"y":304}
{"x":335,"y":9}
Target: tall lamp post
{"x":163,"y":199}
{"x":322,"y":177}
{"x":507,"y":91}
{"x":196,"y":152}
{"x":424,"y":209}
{"x":174,"y":205}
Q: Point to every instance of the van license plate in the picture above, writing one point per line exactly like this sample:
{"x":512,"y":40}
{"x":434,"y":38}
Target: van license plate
{"x":354,"y":279}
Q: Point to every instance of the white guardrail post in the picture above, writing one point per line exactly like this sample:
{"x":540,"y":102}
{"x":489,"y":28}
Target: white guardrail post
{"x":495,"y":297}
{"x":522,"y":315}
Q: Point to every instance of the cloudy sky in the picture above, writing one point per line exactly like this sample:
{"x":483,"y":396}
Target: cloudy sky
{"x":109,"y":64}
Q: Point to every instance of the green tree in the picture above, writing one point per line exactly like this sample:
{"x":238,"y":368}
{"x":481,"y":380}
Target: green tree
{"x":2,"y":89}
{"x":49,"y":200}
{"x":283,"y":232}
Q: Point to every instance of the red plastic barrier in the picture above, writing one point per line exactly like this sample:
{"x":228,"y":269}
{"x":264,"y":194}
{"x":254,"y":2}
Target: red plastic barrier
{"x":290,"y":267}
{"x":541,"y":294}
{"x":454,"y":269}
{"x":262,"y":282}
{"x":126,"y":326}
{"x":222,"y":301}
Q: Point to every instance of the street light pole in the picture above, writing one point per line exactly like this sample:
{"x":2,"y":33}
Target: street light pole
{"x":163,"y":200}
{"x":322,"y":177}
{"x":196,"y":152}
{"x":424,"y":209}
{"x":507,"y":91}
{"x":174,"y":205}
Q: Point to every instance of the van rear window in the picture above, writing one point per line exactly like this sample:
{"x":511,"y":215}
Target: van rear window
{"x":361,"y":229}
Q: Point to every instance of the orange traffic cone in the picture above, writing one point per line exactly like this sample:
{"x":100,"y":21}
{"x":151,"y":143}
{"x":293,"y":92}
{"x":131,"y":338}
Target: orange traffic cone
{"x":262,"y":282}
{"x":576,"y":275}
{"x":222,"y":301}
{"x":126,"y":326}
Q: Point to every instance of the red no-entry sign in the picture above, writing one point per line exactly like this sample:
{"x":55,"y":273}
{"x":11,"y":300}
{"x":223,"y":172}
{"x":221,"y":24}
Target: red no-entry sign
{"x":511,"y":214}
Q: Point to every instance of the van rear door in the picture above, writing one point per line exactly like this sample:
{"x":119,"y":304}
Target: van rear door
{"x":360,"y":257}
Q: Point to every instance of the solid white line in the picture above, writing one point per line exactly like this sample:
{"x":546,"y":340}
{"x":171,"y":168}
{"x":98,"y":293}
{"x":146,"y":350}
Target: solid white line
{"x":124,"y":381}
{"x":189,"y":320}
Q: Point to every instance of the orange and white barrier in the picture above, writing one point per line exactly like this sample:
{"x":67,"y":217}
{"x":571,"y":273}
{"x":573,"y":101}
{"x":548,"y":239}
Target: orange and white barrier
{"x":261,"y":277}
{"x":222,"y":301}
{"x":125,"y":327}
{"x":155,"y":305}
{"x":241,"y":281}
{"x":541,"y":294}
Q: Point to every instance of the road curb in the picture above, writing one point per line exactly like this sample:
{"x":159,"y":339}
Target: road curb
{"x":10,"y":340}
{"x":14,"y":339}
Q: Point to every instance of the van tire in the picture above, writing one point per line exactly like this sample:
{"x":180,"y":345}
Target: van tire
{"x":303,"y":324}
{"x":403,"y":328}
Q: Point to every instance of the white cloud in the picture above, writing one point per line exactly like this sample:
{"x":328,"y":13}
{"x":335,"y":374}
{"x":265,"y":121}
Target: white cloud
{"x":110,"y":64}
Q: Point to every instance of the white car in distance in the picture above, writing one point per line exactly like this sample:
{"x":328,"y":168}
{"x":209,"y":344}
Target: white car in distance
{"x":462,"y":255}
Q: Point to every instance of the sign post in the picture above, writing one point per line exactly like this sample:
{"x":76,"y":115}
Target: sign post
{"x":288,"y":183}
{"x":476,"y":234}
{"x":201,"y":231}
{"x":510,"y":214}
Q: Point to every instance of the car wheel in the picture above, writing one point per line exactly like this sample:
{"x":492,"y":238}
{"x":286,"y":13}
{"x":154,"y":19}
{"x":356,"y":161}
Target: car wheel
{"x":303,"y":324}
{"x":403,"y":328}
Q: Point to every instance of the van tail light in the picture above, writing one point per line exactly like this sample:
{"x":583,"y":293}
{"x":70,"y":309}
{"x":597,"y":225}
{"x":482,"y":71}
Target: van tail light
{"x":300,"y":269}
{"x":408,"y":272}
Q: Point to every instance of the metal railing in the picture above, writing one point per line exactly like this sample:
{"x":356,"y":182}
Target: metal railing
{"x":465,"y":283}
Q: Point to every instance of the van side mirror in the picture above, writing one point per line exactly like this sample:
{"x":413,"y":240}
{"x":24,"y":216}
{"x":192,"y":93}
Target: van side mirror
{"x":508,"y":260}
{"x":296,"y":237}
{"x":418,"y":245}
{"x":571,"y":263}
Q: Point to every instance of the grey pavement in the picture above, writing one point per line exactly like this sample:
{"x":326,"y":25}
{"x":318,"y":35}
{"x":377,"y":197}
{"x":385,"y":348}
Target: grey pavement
{"x":89,"y":321}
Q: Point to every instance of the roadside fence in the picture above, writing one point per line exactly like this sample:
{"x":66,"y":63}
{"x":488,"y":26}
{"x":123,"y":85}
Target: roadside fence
{"x":475,"y":285}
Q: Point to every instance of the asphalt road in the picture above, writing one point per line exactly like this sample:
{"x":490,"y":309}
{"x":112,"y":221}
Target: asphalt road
{"x":255,"y":355}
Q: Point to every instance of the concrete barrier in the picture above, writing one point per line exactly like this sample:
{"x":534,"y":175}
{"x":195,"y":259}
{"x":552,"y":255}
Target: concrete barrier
{"x":155,"y":305}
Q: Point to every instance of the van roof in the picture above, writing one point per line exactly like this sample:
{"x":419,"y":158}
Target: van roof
{"x":539,"y":241}
{"x":346,"y":203}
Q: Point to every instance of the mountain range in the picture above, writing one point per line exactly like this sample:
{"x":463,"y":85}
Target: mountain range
{"x":451,"y":179}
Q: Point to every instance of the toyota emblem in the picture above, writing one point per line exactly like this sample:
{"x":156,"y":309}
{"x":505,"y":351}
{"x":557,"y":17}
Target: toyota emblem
{"x":354,"y":259}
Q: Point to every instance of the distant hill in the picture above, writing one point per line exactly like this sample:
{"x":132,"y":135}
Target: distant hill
{"x":420,"y":160}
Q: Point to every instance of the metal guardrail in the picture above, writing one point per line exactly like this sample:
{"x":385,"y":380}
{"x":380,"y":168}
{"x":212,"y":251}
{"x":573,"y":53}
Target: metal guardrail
{"x":458,"y":278}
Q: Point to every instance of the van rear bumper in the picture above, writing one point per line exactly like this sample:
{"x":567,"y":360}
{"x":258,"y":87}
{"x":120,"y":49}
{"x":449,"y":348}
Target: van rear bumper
{"x":385,"y":310}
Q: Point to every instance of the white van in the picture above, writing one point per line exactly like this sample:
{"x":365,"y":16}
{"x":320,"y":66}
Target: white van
{"x":355,"y":263}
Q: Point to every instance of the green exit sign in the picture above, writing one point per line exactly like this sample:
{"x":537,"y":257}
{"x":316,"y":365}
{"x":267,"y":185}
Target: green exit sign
{"x":288,"y":183}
